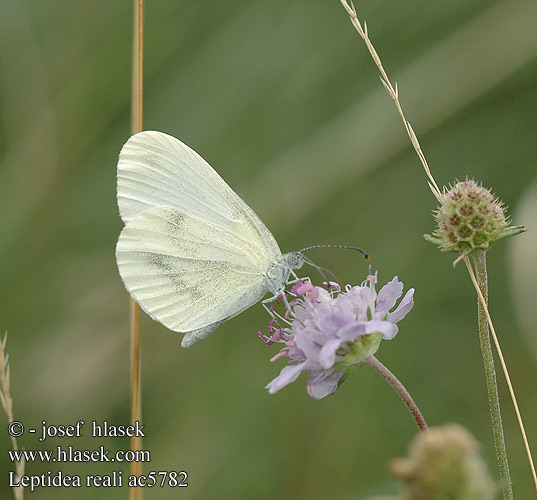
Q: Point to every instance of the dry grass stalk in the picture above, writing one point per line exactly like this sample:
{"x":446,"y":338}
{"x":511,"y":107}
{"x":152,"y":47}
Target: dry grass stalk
{"x":136,"y":126}
{"x":7,"y":404}
{"x":393,"y":92}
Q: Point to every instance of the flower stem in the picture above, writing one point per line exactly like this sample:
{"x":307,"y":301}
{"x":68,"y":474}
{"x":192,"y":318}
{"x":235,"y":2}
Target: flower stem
{"x":386,"y":374}
{"x":480,"y":264}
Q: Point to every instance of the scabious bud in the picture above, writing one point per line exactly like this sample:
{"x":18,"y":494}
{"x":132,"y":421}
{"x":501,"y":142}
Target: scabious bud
{"x":444,"y":463}
{"x":470,"y":218}
{"x":330,"y":332}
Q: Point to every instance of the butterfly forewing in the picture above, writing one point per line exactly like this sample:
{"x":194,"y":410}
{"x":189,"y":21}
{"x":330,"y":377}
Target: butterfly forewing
{"x":158,"y":170}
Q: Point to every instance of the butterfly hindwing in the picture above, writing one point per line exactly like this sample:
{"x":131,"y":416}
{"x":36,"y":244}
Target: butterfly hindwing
{"x":186,"y":273}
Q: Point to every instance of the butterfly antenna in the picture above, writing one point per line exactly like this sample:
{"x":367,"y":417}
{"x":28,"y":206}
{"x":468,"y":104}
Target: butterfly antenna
{"x":366,"y":257}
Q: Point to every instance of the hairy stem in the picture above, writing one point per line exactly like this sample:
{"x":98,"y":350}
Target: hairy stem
{"x":387,"y":375}
{"x":480,"y":264}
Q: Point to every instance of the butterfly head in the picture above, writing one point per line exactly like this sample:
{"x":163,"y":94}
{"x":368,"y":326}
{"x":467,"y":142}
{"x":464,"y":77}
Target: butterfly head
{"x":278,"y":273}
{"x":294,"y":260}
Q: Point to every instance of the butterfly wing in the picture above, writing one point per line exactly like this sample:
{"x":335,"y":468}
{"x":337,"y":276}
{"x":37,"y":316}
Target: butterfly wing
{"x":186,"y":273}
{"x":192,"y":253}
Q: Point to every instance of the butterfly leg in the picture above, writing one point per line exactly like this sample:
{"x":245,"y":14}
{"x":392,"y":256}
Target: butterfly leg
{"x":275,"y":315}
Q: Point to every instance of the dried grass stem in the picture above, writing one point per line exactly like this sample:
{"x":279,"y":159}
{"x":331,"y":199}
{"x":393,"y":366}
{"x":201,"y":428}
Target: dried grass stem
{"x":7,"y":404}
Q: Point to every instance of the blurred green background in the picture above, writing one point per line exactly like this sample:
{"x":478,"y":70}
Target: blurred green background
{"x":283,"y":100}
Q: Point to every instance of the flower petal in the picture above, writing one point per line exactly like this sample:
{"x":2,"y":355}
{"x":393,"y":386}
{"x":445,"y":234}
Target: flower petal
{"x":387,"y":329}
{"x":405,"y":306}
{"x":321,"y":385}
{"x":351,"y":332}
{"x":362,"y":298}
{"x":288,"y":374}
{"x":327,"y":354}
{"x":388,"y":295}
{"x":331,"y":323}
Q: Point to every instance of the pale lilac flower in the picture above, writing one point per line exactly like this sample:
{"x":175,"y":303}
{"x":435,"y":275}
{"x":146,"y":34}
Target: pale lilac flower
{"x":330,"y":332}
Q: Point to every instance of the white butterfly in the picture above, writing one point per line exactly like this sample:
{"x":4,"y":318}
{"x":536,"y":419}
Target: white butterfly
{"x":192,"y":253}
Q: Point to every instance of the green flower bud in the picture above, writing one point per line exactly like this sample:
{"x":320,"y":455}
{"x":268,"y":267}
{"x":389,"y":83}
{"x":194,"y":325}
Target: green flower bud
{"x":470,"y":218}
{"x":444,"y":463}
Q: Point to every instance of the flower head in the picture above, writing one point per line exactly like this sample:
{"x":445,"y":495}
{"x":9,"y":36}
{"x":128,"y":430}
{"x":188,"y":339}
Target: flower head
{"x":444,"y":463}
{"x":470,"y":218}
{"x":332,"y":331}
